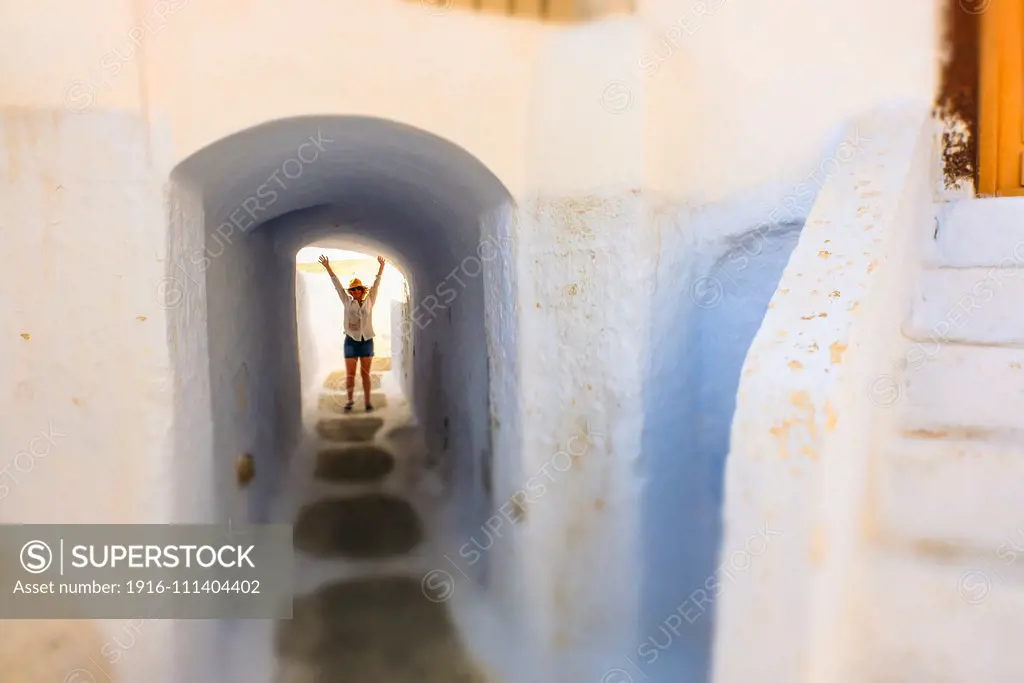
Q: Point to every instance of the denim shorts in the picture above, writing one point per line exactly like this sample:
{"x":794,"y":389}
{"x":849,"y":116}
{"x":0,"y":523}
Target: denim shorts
{"x":358,"y":349}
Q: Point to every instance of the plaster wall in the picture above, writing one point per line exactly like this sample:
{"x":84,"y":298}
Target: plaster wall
{"x":809,"y":418}
{"x":246,"y":274}
{"x":609,"y":163}
{"x":88,"y":387}
{"x":721,"y":66}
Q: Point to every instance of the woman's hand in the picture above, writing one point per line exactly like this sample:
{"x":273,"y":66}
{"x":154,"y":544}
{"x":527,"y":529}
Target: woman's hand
{"x":324,"y":262}
{"x":380,"y":260}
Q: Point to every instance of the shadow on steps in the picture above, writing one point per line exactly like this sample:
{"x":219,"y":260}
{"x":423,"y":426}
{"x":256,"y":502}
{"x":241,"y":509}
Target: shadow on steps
{"x":370,"y":526}
{"x":376,"y":629}
{"x":358,"y":463}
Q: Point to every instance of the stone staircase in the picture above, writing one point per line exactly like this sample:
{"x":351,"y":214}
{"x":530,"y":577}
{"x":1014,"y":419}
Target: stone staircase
{"x":945,"y":594}
{"x":367,"y":622}
{"x":333,"y":399}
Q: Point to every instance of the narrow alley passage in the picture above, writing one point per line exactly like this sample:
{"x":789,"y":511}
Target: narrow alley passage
{"x":363,"y":523}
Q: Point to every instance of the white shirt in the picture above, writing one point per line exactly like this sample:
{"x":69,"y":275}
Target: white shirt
{"x":358,"y":319}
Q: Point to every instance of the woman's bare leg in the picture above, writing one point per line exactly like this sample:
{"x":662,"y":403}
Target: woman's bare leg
{"x":350,"y":377}
{"x":364,"y":365}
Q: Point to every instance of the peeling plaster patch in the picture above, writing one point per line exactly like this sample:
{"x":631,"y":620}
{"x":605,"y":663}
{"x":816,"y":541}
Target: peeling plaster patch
{"x":802,"y":401}
{"x":836,"y":351}
{"x":823,"y":254}
{"x":781,"y":434}
{"x":26,"y":336}
{"x":830,"y":416}
{"x":796,"y":365}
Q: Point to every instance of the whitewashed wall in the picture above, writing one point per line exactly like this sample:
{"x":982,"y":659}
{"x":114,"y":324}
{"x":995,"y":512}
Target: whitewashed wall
{"x":608,"y":161}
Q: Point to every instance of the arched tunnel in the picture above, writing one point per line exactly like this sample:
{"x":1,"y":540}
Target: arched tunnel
{"x":241,"y":208}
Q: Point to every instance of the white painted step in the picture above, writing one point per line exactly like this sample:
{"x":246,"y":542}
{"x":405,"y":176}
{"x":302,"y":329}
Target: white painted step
{"x":955,"y":623}
{"x":982,"y":232}
{"x":963,"y":491}
{"x":969,"y":305}
{"x":950,"y":387}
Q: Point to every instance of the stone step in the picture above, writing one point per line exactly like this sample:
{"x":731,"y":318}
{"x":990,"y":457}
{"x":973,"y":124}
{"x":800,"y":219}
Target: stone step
{"x":385,"y":628}
{"x":970,"y":305}
{"x":951,"y":389}
{"x":982,"y":232}
{"x":961,"y":491}
{"x":335,"y":402}
{"x":336,"y":381}
{"x":359,"y":463}
{"x":371,"y":526}
{"x":352,"y":428}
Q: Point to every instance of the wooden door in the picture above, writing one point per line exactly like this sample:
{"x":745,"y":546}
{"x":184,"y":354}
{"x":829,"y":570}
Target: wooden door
{"x":1001,"y":121}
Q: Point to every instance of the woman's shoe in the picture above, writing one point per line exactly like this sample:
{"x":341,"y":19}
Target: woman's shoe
{"x":348,"y":407}
{"x":369,"y":407}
